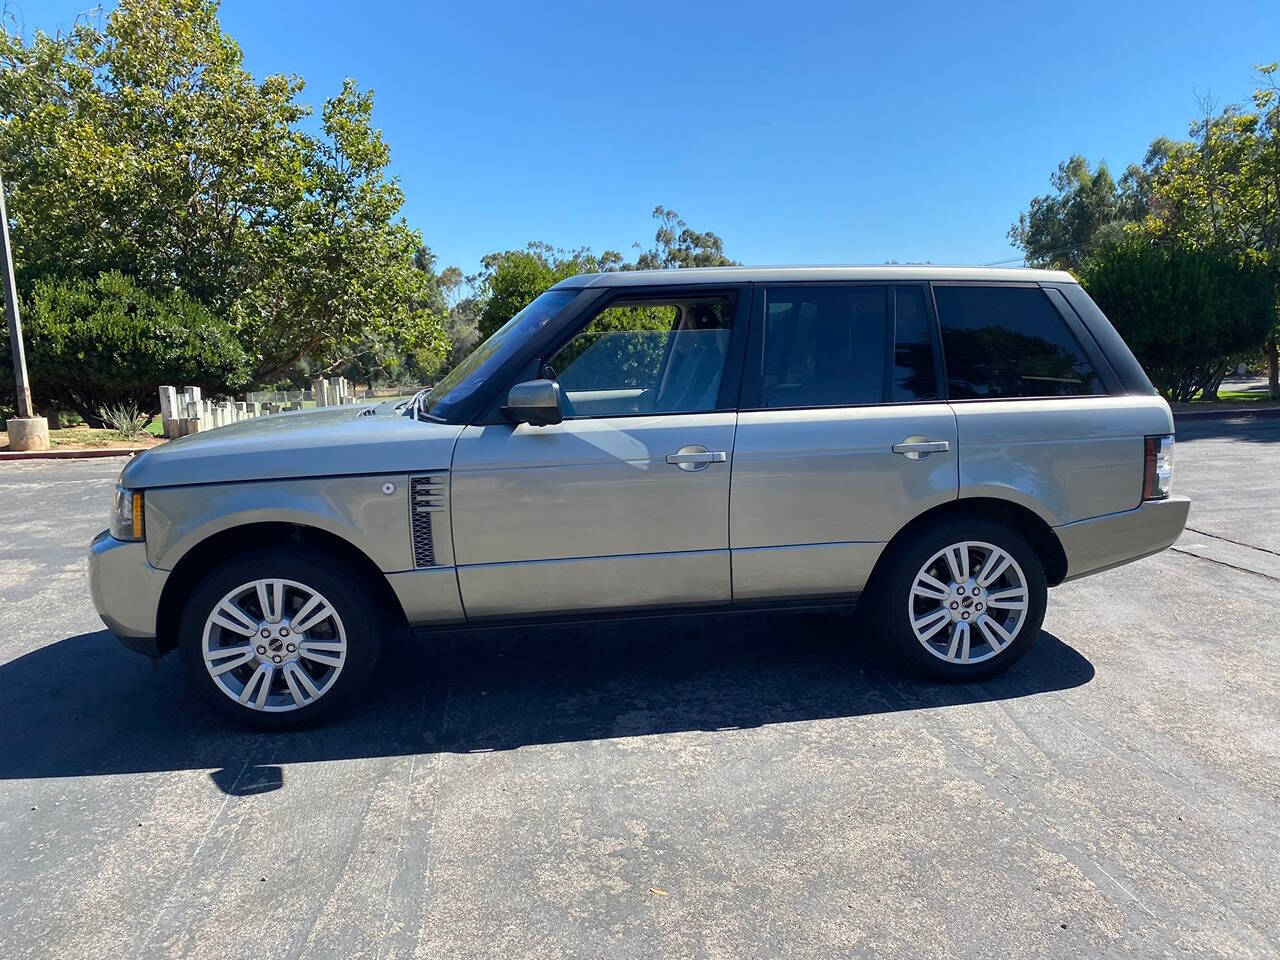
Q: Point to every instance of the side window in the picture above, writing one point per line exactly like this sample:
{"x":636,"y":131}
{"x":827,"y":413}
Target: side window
{"x":1009,"y":342}
{"x":914,"y":376}
{"x":824,"y":346}
{"x":637,"y":357}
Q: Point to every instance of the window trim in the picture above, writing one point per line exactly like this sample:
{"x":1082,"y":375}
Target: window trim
{"x":730,"y":377}
{"x":752,"y":395}
{"x":1072,"y":325}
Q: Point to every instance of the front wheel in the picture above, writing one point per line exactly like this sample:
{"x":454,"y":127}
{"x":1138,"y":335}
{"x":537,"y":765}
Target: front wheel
{"x":273,"y":639}
{"x":962,"y":601}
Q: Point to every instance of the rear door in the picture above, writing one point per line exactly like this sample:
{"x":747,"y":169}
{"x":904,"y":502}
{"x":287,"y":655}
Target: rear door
{"x":843,"y":435}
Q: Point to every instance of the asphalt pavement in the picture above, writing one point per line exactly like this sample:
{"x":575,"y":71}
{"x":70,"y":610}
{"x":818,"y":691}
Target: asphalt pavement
{"x":732,"y":786}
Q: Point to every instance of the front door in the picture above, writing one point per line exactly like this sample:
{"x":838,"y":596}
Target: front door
{"x":843,"y":436}
{"x":625,"y":504}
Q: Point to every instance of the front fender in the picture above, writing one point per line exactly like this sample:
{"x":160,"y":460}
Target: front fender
{"x":357,"y":509}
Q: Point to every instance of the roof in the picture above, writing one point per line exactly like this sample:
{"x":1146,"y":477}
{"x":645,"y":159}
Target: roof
{"x":887,"y":272}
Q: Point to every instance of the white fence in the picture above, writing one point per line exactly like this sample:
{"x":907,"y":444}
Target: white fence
{"x":185,"y":411}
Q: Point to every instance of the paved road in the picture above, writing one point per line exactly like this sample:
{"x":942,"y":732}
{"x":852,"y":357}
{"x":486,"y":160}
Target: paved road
{"x":729,"y":787}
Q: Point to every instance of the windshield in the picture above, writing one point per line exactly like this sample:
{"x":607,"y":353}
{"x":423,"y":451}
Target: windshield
{"x":464,"y":379}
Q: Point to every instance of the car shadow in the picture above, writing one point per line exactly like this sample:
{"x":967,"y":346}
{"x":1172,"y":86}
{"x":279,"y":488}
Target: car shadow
{"x":84,"y":707}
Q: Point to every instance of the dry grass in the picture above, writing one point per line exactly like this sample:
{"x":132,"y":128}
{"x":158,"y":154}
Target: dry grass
{"x":87,"y":438}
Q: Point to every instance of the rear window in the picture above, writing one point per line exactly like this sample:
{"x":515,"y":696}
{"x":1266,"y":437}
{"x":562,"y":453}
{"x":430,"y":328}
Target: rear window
{"x":1009,"y":342}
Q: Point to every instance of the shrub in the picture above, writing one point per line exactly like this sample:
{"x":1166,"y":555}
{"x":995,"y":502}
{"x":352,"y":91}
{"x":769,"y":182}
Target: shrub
{"x":125,"y":419}
{"x":1184,"y":311}
{"x":102,"y":343}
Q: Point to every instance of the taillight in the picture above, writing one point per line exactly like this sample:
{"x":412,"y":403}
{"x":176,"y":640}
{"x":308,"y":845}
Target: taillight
{"x":1157,"y":470}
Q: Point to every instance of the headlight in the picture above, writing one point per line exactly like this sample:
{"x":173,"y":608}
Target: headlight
{"x":126,"y":515}
{"x":1157,"y":470}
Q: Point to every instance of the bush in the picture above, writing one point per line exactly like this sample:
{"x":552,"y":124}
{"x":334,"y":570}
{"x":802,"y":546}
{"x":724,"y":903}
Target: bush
{"x":125,"y":419}
{"x":1185,"y":312}
{"x":106,"y":342}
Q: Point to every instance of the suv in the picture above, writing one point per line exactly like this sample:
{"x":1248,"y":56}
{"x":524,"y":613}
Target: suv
{"x":944,"y":443}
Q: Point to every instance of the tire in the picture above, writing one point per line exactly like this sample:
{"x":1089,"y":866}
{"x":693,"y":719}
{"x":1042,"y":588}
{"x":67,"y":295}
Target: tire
{"x":272,"y":679}
{"x":916,"y":618}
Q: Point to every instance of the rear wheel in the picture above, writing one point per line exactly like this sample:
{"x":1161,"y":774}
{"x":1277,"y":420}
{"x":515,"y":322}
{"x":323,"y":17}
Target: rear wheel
{"x":273,"y":639}
{"x":962,"y":601}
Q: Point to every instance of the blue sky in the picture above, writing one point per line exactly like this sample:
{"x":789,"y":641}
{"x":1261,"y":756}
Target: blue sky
{"x":802,"y":133}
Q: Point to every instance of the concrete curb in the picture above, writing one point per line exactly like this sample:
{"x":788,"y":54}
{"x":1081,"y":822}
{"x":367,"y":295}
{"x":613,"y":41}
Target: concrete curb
{"x":1229,"y":413}
{"x":70,"y":454}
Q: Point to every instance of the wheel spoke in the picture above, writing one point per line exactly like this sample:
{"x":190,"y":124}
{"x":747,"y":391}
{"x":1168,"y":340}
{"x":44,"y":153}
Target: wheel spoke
{"x":258,"y":686}
{"x":330,"y":654}
{"x":996,"y":634}
{"x":271,"y":599}
{"x":310,"y":613}
{"x":958,"y":562}
{"x":930,"y":586}
{"x":1015,"y":598}
{"x":222,"y":659}
{"x":959,"y":642}
{"x":229,"y":616}
{"x":300,"y":684}
{"x":996,"y":564}
{"x":931,"y":623}
{"x":305,"y":679}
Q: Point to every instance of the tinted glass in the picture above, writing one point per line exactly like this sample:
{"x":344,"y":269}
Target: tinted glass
{"x":1009,"y":342}
{"x":467,"y":377}
{"x":824,"y":346}
{"x":914,"y":375}
{"x":640,"y":358}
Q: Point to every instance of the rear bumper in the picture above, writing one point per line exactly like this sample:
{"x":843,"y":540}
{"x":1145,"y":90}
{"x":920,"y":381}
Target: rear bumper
{"x":1108,"y":541}
{"x":126,"y":591}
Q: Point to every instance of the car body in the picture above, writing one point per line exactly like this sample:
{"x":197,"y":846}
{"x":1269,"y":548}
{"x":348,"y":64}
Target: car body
{"x":667,"y":440}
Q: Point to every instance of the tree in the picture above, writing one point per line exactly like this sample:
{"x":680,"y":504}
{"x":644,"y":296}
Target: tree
{"x":145,"y":147}
{"x":676,"y":245}
{"x":106,"y":341}
{"x":1088,"y":208}
{"x":511,"y":280}
{"x":1184,"y":310}
{"x":1222,"y":189}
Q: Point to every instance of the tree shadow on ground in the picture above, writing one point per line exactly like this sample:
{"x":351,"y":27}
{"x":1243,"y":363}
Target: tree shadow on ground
{"x":83,"y":707}
{"x":1256,"y":427}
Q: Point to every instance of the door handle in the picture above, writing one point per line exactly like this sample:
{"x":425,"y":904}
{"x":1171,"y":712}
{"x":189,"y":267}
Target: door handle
{"x":696,"y":457}
{"x":917,"y":448}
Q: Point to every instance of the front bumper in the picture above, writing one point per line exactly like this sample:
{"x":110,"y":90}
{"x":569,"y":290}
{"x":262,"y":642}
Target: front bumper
{"x":126,"y":591}
{"x":1108,"y":541}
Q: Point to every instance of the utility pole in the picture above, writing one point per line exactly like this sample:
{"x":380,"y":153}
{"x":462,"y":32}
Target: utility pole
{"x":26,"y":430}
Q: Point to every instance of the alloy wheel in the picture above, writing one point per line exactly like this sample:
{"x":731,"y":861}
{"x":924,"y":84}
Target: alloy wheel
{"x":968,"y":602}
{"x":274,"y":645}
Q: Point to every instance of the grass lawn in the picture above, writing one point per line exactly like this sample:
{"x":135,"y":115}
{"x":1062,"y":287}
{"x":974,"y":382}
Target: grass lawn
{"x":1238,"y":396}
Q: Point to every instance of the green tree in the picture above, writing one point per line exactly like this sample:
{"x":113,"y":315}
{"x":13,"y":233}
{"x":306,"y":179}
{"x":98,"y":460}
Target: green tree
{"x":1184,"y":310}
{"x":1221,"y":189}
{"x":1087,"y":208}
{"x":145,"y":147}
{"x":511,"y":280}
{"x":107,"y":341}
{"x":675,"y":245}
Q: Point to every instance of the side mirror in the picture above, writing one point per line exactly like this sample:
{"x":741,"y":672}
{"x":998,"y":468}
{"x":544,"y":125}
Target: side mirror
{"x":536,"y":402}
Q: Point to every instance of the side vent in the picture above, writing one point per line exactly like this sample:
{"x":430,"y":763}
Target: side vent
{"x":426,"y":496}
